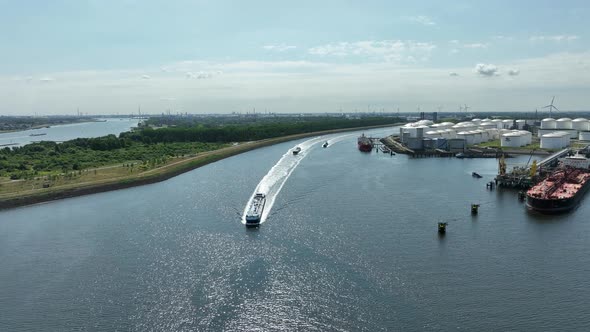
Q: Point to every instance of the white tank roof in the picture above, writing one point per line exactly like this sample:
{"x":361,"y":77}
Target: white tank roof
{"x":496,"y":120}
{"x":521,"y":121}
{"x":512,"y":134}
{"x":507,"y":121}
{"x":564,"y":119}
{"x":556,"y":134}
{"x":548,"y":119}
{"x":580,"y":120}
{"x":476,"y":119}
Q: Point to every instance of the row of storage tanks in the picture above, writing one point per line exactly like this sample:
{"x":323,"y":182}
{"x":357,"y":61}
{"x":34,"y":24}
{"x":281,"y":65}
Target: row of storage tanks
{"x":472,"y":132}
{"x":580,"y":124}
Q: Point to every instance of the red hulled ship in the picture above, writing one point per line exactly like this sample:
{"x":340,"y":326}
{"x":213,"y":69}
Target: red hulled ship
{"x":561,"y":191}
{"x":364,"y":143}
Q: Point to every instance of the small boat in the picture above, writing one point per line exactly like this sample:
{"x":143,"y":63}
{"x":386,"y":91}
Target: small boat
{"x":442,"y":227}
{"x":255,"y":211}
{"x":40,"y":134}
{"x":476,"y":175}
{"x":325,"y":145}
{"x":296,"y":150}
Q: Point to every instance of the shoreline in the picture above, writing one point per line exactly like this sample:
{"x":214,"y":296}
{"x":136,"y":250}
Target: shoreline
{"x":159,"y":174}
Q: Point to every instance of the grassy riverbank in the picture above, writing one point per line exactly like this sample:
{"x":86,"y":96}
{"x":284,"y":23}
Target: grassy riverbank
{"x":21,"y":192}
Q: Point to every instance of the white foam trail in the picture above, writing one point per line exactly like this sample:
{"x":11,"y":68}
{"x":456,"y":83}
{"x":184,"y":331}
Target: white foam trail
{"x":272,"y":183}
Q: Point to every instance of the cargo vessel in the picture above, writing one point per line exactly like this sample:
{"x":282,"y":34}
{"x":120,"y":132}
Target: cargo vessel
{"x":255,"y":211}
{"x":364,"y":143}
{"x":563,"y":189}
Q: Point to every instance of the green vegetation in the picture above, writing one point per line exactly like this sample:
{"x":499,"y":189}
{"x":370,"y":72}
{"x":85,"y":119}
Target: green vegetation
{"x":45,"y":158}
{"x":148,"y":148}
{"x":244,"y":129}
{"x":496,"y":144}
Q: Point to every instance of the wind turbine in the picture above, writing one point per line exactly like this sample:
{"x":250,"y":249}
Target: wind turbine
{"x":551,"y":107}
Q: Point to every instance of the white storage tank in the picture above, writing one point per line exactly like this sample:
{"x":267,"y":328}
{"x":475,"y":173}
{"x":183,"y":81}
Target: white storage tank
{"x":526,"y":137}
{"x":467,"y":136}
{"x":507,"y":124}
{"x":512,"y":139}
{"x":520,"y":123}
{"x":485,"y":137}
{"x":548,"y":123}
{"x":488,"y":125}
{"x":492,"y":134}
{"x":584,"y":136}
{"x":581,"y":124}
{"x":431,"y":134}
{"x":424,"y":123}
{"x":498,"y":123}
{"x":564,"y":123}
{"x":555,"y":140}
{"x":476,"y":136}
{"x":451,"y":133}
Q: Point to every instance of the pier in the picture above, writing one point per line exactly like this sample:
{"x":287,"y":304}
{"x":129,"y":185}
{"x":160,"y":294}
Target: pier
{"x":526,"y":177}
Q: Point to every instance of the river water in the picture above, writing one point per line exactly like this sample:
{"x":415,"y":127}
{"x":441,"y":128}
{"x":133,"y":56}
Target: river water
{"x":349,"y":244}
{"x":67,"y":132}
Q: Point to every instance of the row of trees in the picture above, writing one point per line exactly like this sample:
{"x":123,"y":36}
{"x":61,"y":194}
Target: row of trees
{"x":150,"y":145}
{"x":249,"y":131}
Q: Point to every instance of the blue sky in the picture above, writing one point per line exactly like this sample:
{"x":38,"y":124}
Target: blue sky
{"x":291,"y":56}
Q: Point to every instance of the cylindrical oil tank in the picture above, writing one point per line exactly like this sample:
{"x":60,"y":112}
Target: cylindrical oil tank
{"x":584,"y":136}
{"x":564,"y":123}
{"x":581,"y":124}
{"x":548,"y":123}
{"x":511,"y":139}
{"x":555,"y":140}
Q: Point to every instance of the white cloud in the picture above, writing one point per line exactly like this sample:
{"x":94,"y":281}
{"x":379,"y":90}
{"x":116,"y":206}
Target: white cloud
{"x":453,"y":74}
{"x":145,"y":77}
{"x":554,"y":38}
{"x":201,"y":75}
{"x":290,"y":86}
{"x":476,"y":45}
{"x":421,"y":19}
{"x":279,"y":48}
{"x":387,"y":50}
{"x":486,"y":69}
{"x":513,"y":72}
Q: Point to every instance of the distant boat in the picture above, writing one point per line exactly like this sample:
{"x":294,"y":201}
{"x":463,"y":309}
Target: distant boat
{"x":364,"y":143}
{"x":325,"y":145}
{"x":41,"y":134}
{"x":476,"y":175}
{"x":296,"y":150}
{"x":255,"y":211}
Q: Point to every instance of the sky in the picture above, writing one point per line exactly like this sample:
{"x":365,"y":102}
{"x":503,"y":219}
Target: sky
{"x":108,"y":57}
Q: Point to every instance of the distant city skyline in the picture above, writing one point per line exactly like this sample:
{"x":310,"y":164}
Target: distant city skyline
{"x":104,"y":57}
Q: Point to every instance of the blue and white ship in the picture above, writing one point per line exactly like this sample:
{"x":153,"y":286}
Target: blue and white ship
{"x":255,"y":211}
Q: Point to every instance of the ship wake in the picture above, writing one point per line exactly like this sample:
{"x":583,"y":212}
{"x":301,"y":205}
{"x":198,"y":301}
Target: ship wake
{"x":272,"y":183}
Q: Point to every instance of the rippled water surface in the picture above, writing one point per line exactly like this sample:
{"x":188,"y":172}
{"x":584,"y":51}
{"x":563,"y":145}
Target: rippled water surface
{"x":61,"y":133}
{"x":350,"y":244}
